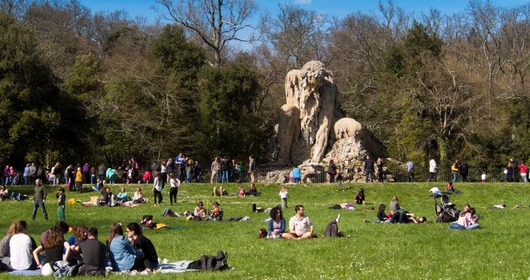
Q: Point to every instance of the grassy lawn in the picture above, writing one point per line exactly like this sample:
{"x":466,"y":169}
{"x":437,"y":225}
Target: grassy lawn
{"x":498,"y":250}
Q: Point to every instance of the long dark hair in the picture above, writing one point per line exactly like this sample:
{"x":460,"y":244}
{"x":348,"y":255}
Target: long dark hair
{"x":115,"y":230}
{"x":274,"y":211}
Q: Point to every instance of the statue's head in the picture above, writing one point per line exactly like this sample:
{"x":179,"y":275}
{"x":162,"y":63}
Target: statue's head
{"x":313,"y":75}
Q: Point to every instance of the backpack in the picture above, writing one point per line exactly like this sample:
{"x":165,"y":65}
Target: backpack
{"x":218,"y":262}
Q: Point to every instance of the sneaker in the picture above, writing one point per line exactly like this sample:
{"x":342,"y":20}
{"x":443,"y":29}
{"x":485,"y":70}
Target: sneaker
{"x":338,"y":218}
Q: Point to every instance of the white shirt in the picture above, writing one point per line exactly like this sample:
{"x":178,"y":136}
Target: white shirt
{"x":20,"y":251}
{"x":433,"y":167}
{"x":300,"y":225}
{"x":283,"y":194}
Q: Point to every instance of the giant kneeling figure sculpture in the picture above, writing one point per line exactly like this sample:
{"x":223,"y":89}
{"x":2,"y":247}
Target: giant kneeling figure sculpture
{"x":312,"y":128}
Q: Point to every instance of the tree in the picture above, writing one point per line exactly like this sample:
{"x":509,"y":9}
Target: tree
{"x":215,"y":22}
{"x":297,"y":35}
{"x":228,"y":126}
{"x":35,"y":120}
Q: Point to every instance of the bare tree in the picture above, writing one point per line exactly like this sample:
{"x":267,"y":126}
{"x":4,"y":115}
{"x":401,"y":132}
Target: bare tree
{"x":296,"y":34}
{"x":215,"y":22}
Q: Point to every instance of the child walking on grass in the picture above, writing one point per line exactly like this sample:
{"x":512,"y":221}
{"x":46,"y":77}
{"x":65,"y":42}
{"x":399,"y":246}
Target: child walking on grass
{"x":339,"y":180}
{"x":283,"y":196}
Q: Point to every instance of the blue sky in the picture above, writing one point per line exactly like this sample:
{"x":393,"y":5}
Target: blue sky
{"x":339,"y":8}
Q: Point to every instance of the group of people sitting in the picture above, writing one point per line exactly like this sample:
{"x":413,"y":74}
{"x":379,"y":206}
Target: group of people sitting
{"x":124,"y":252}
{"x":252,"y":191}
{"x":397,"y":215}
{"x":200,"y":213}
{"x":108,"y":198}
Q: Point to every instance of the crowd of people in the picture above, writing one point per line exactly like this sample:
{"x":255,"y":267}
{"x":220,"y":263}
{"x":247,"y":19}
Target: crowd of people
{"x":126,"y":249}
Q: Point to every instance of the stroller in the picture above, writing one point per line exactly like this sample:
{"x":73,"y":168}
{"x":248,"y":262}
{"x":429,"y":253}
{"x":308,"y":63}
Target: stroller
{"x":445,"y":210}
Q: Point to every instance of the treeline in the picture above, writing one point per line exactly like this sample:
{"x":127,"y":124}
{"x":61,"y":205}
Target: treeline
{"x":80,"y":86}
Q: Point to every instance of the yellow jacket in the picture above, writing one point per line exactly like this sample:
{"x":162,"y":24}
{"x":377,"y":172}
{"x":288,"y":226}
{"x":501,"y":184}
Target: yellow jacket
{"x":79,"y":176}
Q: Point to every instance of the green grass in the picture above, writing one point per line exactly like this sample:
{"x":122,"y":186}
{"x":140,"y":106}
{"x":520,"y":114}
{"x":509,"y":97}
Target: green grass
{"x":498,"y":250}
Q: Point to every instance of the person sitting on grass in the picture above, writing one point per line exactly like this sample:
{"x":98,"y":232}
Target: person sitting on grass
{"x":92,"y":253}
{"x":53,"y":246}
{"x":394,"y":204}
{"x":359,"y":196}
{"x":99,"y":185}
{"x":300,"y":226}
{"x":276,"y":224}
{"x":3,"y":193}
{"x":217,"y":212}
{"x":200,"y":213}
{"x":450,"y":189}
{"x":466,"y":220}
{"x":107,"y":197}
{"x":122,"y":255}
{"x":138,"y":196}
{"x":252,"y":191}
{"x":122,"y":196}
{"x":381,"y":216}
{"x":240,"y":191}
{"x":21,"y":246}
{"x":80,"y":235}
{"x":140,"y":242}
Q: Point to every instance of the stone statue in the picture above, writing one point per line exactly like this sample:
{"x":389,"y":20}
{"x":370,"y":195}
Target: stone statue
{"x":312,"y":128}
{"x":311,"y":96}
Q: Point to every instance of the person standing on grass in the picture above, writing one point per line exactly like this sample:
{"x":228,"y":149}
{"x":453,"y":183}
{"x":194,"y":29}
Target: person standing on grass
{"x":174,"y":184}
{"x":300,"y":226}
{"x":79,"y":180}
{"x":454,"y":170}
{"x":369,"y":169}
{"x":523,"y":170}
{"x":433,"y":169}
{"x":61,"y":197}
{"x":39,"y":199}
{"x":464,"y":170}
{"x":251,"y":167}
{"x":283,"y":195}
{"x":410,"y":171}
{"x":157,"y":189}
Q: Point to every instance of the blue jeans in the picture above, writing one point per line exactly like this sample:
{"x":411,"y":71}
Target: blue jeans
{"x":36,"y":205}
{"x":455,"y":176}
{"x":455,"y":225}
{"x":224,"y":177}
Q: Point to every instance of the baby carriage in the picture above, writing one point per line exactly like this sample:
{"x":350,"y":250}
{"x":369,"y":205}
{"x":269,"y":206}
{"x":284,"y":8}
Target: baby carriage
{"x":445,"y":210}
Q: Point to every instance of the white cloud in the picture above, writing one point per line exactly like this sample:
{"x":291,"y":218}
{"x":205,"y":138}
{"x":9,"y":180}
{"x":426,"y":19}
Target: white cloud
{"x":302,"y":2}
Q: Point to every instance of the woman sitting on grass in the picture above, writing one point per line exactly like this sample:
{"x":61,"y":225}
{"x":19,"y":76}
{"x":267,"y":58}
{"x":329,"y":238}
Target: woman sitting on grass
{"x":140,"y":242}
{"x":276,"y":224}
{"x":200,"y":213}
{"x":252,"y":191}
{"x":381,"y":216}
{"x":122,"y":196}
{"x":359,"y":196}
{"x":122,"y":255}
{"x":466,"y":220}
{"x":53,"y":248}
{"x":138,"y":196}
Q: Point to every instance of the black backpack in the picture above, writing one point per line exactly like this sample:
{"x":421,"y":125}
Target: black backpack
{"x":218,"y":262}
